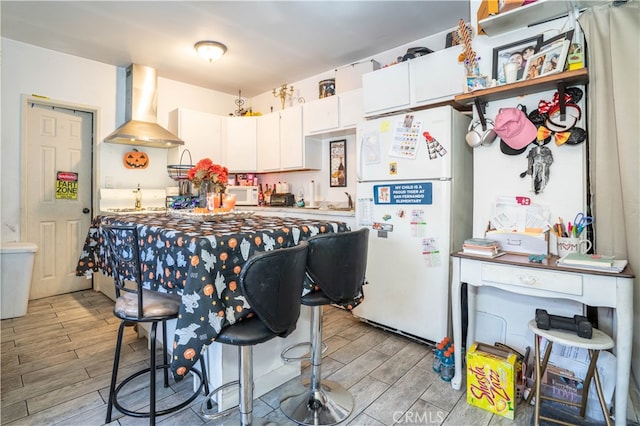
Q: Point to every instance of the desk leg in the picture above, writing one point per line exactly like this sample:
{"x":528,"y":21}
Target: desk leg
{"x":624,"y":337}
{"x":456,"y":311}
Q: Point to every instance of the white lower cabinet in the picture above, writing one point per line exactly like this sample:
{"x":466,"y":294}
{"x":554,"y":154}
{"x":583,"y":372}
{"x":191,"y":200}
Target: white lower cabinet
{"x":240,"y":144}
{"x":202,"y":135}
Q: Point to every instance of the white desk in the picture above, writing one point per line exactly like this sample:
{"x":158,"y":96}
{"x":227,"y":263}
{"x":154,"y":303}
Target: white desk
{"x":515,"y":274}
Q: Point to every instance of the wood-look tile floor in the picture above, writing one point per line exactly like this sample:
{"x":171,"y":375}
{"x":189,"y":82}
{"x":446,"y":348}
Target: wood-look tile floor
{"x":57,"y":360}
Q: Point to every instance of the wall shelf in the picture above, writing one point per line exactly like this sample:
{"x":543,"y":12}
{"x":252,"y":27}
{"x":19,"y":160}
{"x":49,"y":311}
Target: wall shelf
{"x":532,"y":14}
{"x":525,"y":87}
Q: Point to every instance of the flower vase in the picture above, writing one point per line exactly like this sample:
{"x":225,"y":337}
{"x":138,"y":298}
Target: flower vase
{"x":206,"y":186}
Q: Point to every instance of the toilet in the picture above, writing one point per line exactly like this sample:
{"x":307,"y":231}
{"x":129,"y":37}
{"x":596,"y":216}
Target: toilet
{"x":16,"y":270}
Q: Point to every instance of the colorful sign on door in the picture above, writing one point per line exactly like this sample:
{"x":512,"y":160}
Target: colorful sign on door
{"x":404,"y":193}
{"x":67,"y":185}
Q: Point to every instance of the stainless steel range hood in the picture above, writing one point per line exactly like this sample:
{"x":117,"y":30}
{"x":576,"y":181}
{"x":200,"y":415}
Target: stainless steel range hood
{"x":141,"y":112}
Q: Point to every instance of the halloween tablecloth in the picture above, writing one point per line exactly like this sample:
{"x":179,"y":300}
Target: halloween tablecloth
{"x":201,"y":261}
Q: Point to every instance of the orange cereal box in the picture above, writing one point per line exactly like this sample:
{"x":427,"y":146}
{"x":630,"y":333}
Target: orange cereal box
{"x":491,"y":382}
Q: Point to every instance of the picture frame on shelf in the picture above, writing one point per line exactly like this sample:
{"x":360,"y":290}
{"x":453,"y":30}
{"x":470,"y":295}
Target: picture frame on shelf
{"x":517,"y":52}
{"x":553,"y":41}
{"x":338,"y":163}
{"x":476,"y":82}
{"x":545,"y":62}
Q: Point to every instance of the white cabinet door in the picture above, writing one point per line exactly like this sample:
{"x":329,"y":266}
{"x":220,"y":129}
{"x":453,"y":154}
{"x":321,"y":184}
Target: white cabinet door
{"x":436,"y":77}
{"x":292,"y":144}
{"x":386,"y":89}
{"x":201,"y":133}
{"x":240,"y":144}
{"x":321,"y":115}
{"x":268,"y":142}
{"x":351,"y":109}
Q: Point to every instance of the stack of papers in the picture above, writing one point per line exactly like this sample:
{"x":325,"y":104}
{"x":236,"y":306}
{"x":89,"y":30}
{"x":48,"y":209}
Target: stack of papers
{"x":482,"y":247}
{"x":518,"y":214}
{"x":593,"y":262}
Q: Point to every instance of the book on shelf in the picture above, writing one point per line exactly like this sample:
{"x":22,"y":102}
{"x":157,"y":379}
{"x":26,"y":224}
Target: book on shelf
{"x":587,"y":259}
{"x":480,"y":242}
{"x":616,"y":266}
{"x":486,"y":248}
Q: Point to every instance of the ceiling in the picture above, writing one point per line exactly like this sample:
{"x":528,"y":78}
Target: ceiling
{"x":269,"y":42}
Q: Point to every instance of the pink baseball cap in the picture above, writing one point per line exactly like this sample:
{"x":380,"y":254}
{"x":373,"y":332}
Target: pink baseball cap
{"x":514,"y":128}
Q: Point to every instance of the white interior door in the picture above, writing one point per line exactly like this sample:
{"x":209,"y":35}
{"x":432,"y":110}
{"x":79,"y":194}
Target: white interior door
{"x":57,"y":140}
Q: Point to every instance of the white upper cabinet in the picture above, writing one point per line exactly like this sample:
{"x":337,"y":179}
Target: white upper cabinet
{"x":436,"y":77}
{"x":296,"y":152}
{"x":201,"y":133}
{"x":333,"y":114}
{"x":416,"y":83}
{"x":386,"y":89}
{"x":240,"y":144}
{"x":268,"y":142}
{"x":321,"y":115}
{"x":351,"y":108}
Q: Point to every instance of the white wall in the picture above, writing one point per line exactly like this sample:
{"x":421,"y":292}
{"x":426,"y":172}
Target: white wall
{"x":27,"y":69}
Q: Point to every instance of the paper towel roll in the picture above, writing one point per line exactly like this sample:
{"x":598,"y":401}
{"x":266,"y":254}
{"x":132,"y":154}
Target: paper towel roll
{"x":311,"y":196}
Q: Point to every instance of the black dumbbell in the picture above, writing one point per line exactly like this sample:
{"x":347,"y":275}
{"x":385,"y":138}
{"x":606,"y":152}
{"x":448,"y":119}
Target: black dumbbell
{"x":580,"y":324}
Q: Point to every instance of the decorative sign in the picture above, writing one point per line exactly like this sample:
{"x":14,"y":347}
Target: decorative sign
{"x":404,"y":193}
{"x":67,"y":185}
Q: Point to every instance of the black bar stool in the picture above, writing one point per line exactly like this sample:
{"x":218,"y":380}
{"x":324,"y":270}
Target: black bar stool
{"x":336,"y":264}
{"x":272,"y":284}
{"x":599,"y":341}
{"x":133,"y":306}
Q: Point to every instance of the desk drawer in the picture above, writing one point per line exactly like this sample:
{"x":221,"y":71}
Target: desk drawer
{"x":558,"y":282}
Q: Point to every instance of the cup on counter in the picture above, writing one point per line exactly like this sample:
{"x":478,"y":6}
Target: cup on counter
{"x":213,"y":201}
{"x":568,"y":245}
{"x":228,"y":202}
{"x":511,"y":72}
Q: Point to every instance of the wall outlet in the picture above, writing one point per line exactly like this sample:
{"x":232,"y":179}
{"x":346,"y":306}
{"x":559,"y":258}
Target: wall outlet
{"x":108,"y":181}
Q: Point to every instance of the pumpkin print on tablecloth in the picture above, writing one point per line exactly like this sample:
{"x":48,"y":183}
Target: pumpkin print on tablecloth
{"x":135,"y":160}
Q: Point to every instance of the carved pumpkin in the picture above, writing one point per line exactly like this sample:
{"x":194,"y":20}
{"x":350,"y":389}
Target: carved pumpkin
{"x":135,"y":160}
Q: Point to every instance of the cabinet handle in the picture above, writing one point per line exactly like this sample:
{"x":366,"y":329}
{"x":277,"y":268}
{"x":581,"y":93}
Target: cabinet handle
{"x":528,"y":279}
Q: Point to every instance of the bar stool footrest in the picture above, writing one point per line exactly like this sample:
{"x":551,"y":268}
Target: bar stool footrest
{"x":143,"y":414}
{"x":285,"y":358}
{"x":218,"y":415}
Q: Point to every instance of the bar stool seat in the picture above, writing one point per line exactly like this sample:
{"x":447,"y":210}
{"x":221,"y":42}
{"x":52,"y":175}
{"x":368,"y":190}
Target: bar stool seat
{"x":272,"y":284}
{"x":336,"y":264}
{"x":599,"y":341}
{"x":135,"y":305}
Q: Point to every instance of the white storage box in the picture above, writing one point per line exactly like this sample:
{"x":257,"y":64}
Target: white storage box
{"x":350,"y":77}
{"x":521,"y":242}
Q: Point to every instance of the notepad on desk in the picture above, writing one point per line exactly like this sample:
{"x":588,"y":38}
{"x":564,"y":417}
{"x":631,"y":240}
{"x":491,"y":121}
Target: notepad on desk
{"x":592,"y":262}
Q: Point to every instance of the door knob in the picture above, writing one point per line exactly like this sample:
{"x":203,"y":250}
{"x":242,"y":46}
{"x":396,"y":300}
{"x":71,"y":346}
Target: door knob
{"x":86,"y":210}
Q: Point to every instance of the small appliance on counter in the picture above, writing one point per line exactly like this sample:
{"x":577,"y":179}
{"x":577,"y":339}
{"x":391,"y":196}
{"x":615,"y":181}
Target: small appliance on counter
{"x":283,"y":200}
{"x":245,"y":195}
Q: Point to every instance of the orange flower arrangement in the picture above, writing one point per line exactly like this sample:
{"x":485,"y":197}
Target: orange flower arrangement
{"x":206,"y":170}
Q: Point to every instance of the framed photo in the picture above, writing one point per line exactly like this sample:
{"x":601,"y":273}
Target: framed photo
{"x":476,"y":82}
{"x":547,"y":62}
{"x":554,"y":41}
{"x":517,"y":52}
{"x":338,"y":163}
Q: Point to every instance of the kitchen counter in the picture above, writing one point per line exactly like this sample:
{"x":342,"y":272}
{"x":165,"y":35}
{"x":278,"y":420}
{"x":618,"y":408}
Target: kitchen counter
{"x":346,"y":216}
{"x":301,"y":210}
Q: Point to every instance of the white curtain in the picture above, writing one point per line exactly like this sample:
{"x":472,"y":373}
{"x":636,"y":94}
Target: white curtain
{"x":612,"y":33}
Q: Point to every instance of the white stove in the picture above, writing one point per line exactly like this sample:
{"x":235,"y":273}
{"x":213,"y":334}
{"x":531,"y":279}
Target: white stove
{"x":123,"y":201}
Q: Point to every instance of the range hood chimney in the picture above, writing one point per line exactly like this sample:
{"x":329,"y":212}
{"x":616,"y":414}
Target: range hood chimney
{"x":141,"y":112}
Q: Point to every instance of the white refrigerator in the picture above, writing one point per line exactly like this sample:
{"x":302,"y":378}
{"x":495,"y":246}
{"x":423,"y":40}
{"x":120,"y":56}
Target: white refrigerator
{"x":414,"y":192}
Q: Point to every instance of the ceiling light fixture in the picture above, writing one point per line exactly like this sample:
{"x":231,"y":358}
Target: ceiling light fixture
{"x":210,"y":50}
